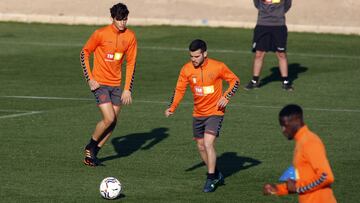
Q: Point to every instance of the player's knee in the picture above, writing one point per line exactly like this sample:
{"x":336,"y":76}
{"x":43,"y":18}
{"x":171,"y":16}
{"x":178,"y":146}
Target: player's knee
{"x":201,"y":146}
{"x":281,"y":55}
{"x":208,"y":145}
{"x":259,"y":55}
{"x":111,"y":121}
{"x":113,"y":124}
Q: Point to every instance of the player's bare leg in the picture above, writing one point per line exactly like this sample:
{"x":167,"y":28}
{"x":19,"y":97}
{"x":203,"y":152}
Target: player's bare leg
{"x":283,"y":63}
{"x":214,"y":177}
{"x":209,"y":143}
{"x":258,"y":62}
{"x":283,"y":66}
{"x":109,"y":117}
{"x":202,"y":151}
{"x":103,"y":127}
{"x":257,"y":66}
{"x":111,"y":128}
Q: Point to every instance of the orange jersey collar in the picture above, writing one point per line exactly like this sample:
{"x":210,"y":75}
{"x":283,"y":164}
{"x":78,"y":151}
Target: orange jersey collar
{"x":114,"y":28}
{"x":299,"y":134}
{"x":206,"y":61}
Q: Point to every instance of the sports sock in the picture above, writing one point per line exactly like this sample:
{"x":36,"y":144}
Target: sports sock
{"x":92,"y":144}
{"x":211,"y":176}
{"x":255,"y":79}
{"x":216,"y":172}
{"x":96,"y":150}
{"x":285,"y":80}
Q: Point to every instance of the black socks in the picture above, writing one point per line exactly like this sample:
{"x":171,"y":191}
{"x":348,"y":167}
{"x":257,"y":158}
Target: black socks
{"x":92,"y":144}
{"x":214,"y":175}
{"x":285,"y":80}
{"x":255,"y":79}
{"x":96,"y":150}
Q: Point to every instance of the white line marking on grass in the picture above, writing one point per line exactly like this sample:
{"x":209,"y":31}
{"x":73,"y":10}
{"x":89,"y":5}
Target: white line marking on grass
{"x":18,"y":113}
{"x":249,"y":52}
{"x":231,"y":51}
{"x":184,"y":103}
{"x":47,"y":98}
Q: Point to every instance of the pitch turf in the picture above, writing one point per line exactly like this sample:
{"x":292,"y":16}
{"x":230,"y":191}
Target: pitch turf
{"x":42,"y":137}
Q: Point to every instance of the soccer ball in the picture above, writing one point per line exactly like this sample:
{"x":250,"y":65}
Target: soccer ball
{"x":110,"y":188}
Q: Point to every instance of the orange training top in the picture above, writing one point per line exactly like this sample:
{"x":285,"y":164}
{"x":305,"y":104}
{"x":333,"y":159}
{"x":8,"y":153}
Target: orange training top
{"x":206,"y":85}
{"x":109,"y":46}
{"x":314,"y":179}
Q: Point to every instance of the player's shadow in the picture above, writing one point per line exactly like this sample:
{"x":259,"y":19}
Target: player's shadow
{"x":230,"y":163}
{"x":128,"y":144}
{"x":294,"y":70}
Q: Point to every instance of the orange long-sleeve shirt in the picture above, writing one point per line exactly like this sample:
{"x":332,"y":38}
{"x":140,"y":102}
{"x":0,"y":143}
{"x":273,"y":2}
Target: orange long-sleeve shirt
{"x":206,"y":85}
{"x":110,"y":46}
{"x":315,"y":177}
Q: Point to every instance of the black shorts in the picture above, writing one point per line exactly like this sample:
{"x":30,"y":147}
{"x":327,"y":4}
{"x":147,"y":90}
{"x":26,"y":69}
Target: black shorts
{"x":106,"y":94}
{"x":208,"y":124}
{"x":270,"y":38}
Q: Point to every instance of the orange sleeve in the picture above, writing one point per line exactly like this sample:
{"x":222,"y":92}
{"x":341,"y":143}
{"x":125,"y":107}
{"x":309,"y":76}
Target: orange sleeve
{"x":130,"y":64}
{"x":282,"y":189}
{"x":85,"y":53}
{"x":232,"y":79}
{"x":179,"y":92}
{"x":316,"y":155}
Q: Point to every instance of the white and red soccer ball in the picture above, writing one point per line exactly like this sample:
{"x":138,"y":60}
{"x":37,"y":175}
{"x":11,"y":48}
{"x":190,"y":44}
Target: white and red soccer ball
{"x":110,"y":188}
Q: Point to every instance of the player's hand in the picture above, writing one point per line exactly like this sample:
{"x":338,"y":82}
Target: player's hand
{"x":291,"y":186}
{"x":222,"y":102}
{"x":93,"y":84}
{"x":168,"y":112}
{"x":126,"y":97}
{"x":269,"y":189}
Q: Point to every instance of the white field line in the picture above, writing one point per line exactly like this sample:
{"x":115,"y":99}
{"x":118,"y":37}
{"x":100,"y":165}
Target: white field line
{"x":158,"y":48}
{"x":186,"y":103}
{"x":17,"y":113}
{"x":48,"y":98}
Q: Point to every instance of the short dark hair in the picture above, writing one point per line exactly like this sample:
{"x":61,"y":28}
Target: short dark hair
{"x":198,"y":44}
{"x":291,"y":110}
{"x":119,"y":11}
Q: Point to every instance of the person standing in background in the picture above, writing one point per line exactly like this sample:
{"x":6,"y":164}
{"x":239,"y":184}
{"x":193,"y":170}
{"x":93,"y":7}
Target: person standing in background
{"x":270,"y":34}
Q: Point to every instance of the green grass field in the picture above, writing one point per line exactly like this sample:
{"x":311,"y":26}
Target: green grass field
{"x":47,"y":114}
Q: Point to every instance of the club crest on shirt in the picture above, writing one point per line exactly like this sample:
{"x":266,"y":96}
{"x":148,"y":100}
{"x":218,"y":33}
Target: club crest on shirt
{"x":211,"y":76}
{"x":194,"y":80}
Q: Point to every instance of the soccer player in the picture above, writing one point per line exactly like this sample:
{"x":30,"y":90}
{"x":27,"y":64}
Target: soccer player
{"x":205,"y":77}
{"x":270,"y":34}
{"x":110,"y":45}
{"x":314,"y":175}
